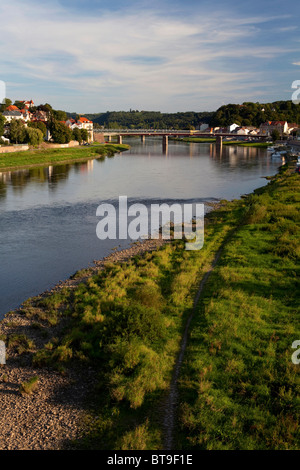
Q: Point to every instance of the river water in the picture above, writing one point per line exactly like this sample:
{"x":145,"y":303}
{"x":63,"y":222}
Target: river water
{"x":48,"y":215}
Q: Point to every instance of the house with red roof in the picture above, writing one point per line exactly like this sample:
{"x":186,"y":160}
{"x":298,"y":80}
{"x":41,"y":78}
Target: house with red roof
{"x":40,"y":116}
{"x":82,"y":123}
{"x":28,"y":104}
{"x":12,"y":107}
{"x":268,"y":127}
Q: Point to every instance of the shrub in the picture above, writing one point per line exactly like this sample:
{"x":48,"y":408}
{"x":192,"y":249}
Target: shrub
{"x":21,"y":343}
{"x":27,"y":388}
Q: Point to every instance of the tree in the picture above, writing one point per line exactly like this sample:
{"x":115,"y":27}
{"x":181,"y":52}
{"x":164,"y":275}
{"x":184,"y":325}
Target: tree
{"x":2,"y":121}
{"x":77,"y":135}
{"x":39,"y":125}
{"x":34,"y":136}
{"x":84,"y":135}
{"x":6,"y":102}
{"x":19,"y":104}
{"x":45,"y":107}
{"x":61,"y":134}
{"x":275,"y":134}
{"x":59,"y":115}
{"x":17,"y":131}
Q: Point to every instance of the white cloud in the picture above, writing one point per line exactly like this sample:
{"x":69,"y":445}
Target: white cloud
{"x":86,"y":55}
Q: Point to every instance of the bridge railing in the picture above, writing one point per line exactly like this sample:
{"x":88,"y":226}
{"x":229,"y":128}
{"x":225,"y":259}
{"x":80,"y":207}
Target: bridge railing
{"x":142,"y":131}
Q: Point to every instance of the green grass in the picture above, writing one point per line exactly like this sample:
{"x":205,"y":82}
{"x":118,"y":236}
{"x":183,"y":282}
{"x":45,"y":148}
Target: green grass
{"x":20,"y":343}
{"x":209,"y":140}
{"x":242,"y":143}
{"x":52,"y":156}
{"x":239,"y":388}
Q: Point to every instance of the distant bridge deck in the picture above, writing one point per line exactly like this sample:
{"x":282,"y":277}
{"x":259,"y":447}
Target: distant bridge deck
{"x":173,"y":133}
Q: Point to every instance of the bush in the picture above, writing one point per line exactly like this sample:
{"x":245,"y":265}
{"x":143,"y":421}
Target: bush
{"x":21,"y":343}
{"x":27,"y":388}
{"x":34,"y":136}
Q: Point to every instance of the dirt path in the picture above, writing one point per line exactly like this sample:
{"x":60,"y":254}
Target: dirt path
{"x":172,"y":399}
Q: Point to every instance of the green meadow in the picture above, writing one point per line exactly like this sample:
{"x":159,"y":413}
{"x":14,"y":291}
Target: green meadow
{"x":239,"y":388}
{"x":43,"y":157}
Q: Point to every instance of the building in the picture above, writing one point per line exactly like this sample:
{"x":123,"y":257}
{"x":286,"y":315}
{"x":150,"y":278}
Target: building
{"x":242,"y":131}
{"x":10,"y":115}
{"x":220,"y":130}
{"x":27,"y":104}
{"x":268,"y":127}
{"x":82,"y":123}
{"x":232,"y":127}
{"x":12,"y":107}
{"x":27,"y":115}
{"x":292,"y":128}
{"x":40,"y":116}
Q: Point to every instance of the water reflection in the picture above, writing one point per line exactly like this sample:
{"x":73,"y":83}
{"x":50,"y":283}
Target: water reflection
{"x":42,"y":182}
{"x":50,"y":176}
{"x":236,"y":156}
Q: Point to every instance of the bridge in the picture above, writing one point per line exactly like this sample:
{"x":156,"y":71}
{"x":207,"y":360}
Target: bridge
{"x":166,"y":133}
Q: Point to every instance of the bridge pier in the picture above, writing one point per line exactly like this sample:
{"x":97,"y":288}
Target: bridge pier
{"x":165,"y":143}
{"x":120,"y":139}
{"x":219,"y":141}
{"x":109,"y":138}
{"x":143,"y":138}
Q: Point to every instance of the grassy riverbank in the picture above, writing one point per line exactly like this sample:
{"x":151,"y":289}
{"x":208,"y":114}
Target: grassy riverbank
{"x":126,"y":321}
{"x":242,"y":143}
{"x":207,"y":140}
{"x":44,"y":157}
{"x":239,"y":388}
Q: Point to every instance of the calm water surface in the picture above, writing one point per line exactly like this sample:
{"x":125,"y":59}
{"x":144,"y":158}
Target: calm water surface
{"x":48,"y":215}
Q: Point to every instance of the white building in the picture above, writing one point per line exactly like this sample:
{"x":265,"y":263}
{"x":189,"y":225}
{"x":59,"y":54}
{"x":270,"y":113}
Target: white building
{"x":82,"y":123}
{"x":10,"y":115}
{"x":232,"y":127}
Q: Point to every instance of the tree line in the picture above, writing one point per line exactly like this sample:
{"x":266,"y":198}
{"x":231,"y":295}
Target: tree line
{"x":254,"y":114}
{"x":135,"y":119}
{"x":246,"y":114}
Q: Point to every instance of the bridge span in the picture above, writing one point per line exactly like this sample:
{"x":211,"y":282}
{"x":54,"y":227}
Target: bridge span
{"x":165,"y":134}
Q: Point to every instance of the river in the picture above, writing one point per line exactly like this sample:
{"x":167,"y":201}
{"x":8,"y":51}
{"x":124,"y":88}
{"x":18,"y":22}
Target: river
{"x":48,"y":215}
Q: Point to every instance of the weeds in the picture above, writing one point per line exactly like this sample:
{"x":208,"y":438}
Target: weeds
{"x":27,"y":388}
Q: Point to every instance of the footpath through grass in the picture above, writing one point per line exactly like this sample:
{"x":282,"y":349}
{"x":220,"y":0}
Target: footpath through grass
{"x":238,"y":383}
{"x":43,"y":157}
{"x":239,"y":387}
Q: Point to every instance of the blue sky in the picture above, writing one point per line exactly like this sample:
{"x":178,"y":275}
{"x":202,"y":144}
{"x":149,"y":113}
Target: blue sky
{"x":162,"y":55}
